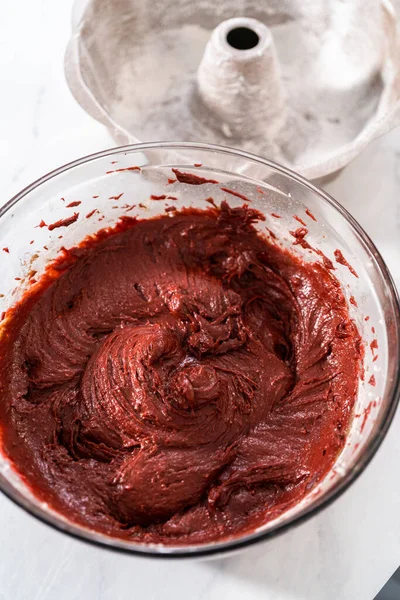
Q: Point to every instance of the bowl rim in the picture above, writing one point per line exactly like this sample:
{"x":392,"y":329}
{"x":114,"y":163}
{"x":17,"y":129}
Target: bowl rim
{"x":229,"y":545}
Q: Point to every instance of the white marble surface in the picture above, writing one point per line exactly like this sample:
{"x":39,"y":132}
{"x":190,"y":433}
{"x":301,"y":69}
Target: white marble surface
{"x":345,"y":553}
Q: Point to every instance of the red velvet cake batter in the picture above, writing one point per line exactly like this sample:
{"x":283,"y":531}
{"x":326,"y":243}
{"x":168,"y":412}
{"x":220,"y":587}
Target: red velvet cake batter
{"x":178,"y":380}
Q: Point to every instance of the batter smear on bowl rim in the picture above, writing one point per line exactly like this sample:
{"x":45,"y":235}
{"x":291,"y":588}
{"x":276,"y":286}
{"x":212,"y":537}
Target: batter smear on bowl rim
{"x":178,"y":380}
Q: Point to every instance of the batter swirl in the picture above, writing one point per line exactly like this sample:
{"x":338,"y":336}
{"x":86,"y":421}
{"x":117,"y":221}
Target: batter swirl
{"x":180,"y":379}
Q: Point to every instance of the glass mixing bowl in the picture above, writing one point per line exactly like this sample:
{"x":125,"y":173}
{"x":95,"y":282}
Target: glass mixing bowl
{"x":121,"y":182}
